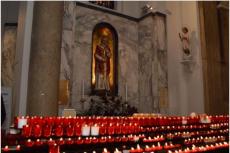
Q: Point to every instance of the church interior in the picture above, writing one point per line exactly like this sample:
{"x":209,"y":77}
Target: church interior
{"x":115,"y":76}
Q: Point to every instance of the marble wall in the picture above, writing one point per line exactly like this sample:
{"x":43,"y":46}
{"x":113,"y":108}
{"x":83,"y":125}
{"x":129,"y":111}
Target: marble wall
{"x":141,"y":55}
{"x":8,"y":56}
{"x":152,"y":64}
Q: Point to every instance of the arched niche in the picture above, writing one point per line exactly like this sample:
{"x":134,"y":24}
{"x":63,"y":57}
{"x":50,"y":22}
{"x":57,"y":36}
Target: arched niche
{"x":104,"y":78}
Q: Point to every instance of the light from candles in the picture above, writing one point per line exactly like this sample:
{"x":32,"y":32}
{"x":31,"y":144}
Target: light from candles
{"x":95,"y":130}
{"x":85,"y":130}
{"x":6,"y":148}
{"x":117,"y":151}
{"x":21,"y":122}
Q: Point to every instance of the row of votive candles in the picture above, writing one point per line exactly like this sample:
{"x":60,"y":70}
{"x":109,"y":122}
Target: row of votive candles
{"x":78,"y":130}
{"x":187,"y":134}
{"x":142,"y":121}
{"x":205,"y":139}
{"x":152,"y":148}
{"x":166,"y":146}
{"x":138,"y":149}
{"x":80,"y":140}
{"x":206,"y":148}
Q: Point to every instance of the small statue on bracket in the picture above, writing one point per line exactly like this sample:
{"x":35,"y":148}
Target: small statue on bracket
{"x":184,"y":37}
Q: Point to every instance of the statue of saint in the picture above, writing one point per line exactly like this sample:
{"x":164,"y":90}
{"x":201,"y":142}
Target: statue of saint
{"x":102,"y":64}
{"x":184,"y":37}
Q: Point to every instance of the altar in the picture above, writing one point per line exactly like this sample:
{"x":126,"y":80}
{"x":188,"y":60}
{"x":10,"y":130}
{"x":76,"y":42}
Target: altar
{"x":137,"y":63}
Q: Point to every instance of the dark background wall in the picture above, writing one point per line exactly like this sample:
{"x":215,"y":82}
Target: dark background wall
{"x":214,"y":21}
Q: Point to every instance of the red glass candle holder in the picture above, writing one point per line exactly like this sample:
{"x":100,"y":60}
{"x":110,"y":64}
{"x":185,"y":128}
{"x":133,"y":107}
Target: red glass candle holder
{"x":102,"y":130}
{"x":94,"y":140}
{"x":87,"y":140}
{"x":60,"y":141}
{"x":117,"y":139}
{"x":50,"y":121}
{"x":18,"y":147}
{"x":110,"y":139}
{"x":38,"y":142}
{"x":29,"y":143}
{"x":124,"y":139}
{"x":5,"y":149}
{"x":47,"y":131}
{"x":69,"y":141}
{"x":79,"y":140}
{"x":37,"y":131}
{"x":117,"y":129}
{"x":51,"y":142}
{"x":102,"y":140}
{"x":124,"y":129}
{"x":59,"y":131}
{"x":54,"y":148}
{"x":69,"y":131}
{"x":105,"y":151}
{"x":111,"y":129}
{"x":58,"y":121}
{"x":77,"y":129}
{"x":26,"y":131}
{"x":148,"y":149}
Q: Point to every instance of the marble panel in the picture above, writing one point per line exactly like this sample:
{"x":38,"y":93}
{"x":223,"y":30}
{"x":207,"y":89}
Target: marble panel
{"x":139,"y":64}
{"x":8,"y":56}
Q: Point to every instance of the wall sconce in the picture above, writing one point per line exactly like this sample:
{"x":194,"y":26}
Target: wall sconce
{"x":146,"y":8}
{"x":223,"y":5}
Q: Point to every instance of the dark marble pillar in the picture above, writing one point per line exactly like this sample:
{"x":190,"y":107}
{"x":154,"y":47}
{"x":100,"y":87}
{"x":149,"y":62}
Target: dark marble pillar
{"x":45,"y":59}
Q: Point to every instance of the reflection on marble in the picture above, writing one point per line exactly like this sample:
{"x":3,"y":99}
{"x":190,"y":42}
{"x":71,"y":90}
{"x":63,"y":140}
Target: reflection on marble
{"x":8,"y":55}
{"x":142,"y":55}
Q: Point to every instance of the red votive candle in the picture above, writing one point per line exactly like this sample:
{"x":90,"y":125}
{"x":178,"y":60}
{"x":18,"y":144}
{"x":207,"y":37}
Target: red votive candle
{"x":79,"y":140}
{"x":60,"y":141}
{"x":87,"y":140}
{"x":110,"y":139}
{"x":77,"y":130}
{"x":29,"y":143}
{"x":38,"y":142}
{"x":117,"y":139}
{"x":6,"y":149}
{"x":94,"y":140}
{"x":51,"y":141}
{"x":102,"y":130}
{"x":37,"y":131}
{"x":110,"y":129}
{"x":117,"y":128}
{"x":54,"y":148}
{"x":59,"y":131}
{"x":105,"y":150}
{"x":102,"y":140}
{"x":47,"y":131}
{"x":69,"y":141}
{"x":26,"y":131}
{"x":69,"y":131}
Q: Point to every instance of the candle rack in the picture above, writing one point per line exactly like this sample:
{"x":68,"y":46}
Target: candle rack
{"x":137,"y":134}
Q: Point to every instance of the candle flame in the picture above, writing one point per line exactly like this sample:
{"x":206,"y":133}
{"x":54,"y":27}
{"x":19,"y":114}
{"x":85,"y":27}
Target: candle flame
{"x":105,"y":150}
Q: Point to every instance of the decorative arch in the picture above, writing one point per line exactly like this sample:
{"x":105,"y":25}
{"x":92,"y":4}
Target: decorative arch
{"x":100,"y":31}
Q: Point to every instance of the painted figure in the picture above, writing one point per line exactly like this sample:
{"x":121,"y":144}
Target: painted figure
{"x":184,"y":37}
{"x":102,"y":64}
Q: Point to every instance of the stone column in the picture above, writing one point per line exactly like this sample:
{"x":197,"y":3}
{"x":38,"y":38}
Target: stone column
{"x":45,"y":59}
